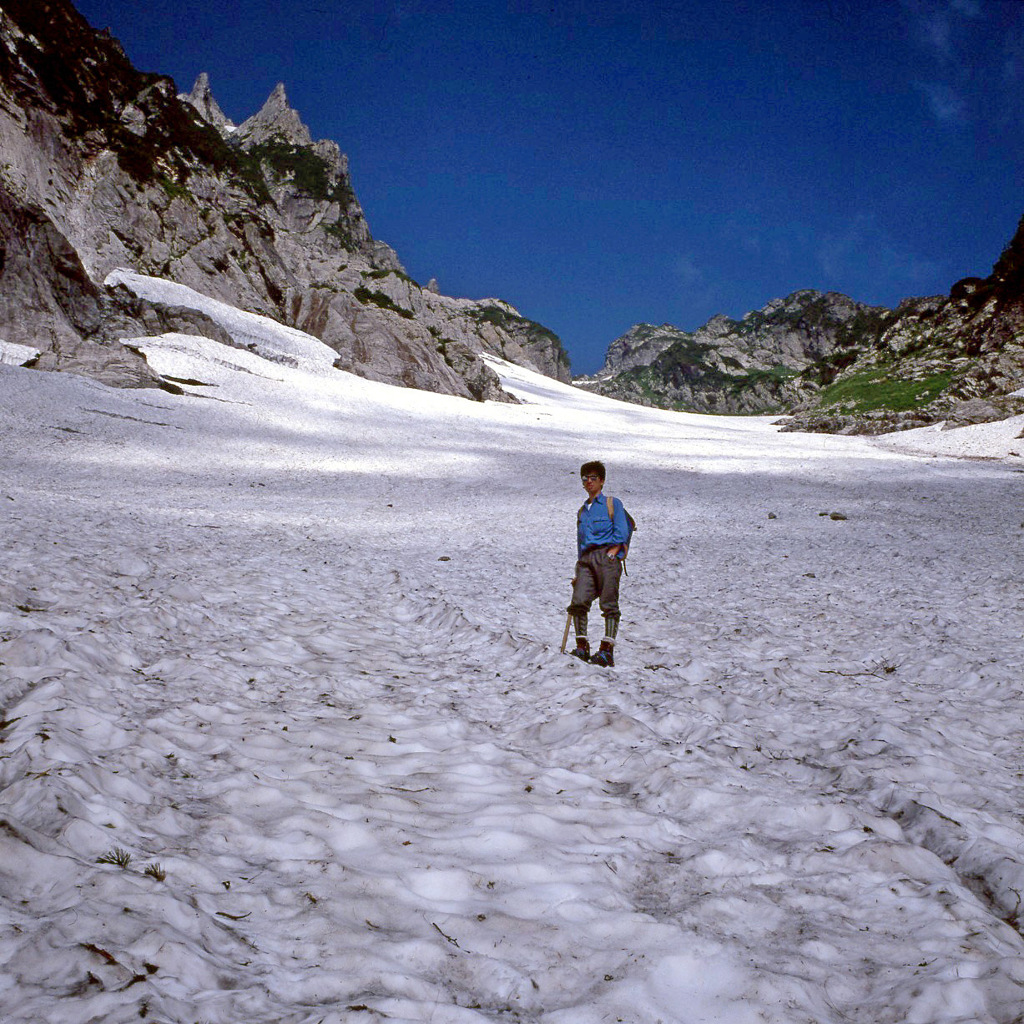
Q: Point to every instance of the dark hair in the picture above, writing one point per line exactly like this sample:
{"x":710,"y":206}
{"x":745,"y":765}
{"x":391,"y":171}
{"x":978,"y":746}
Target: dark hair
{"x":597,"y":468}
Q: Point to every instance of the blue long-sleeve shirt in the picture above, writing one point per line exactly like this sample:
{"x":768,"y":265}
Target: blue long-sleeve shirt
{"x":595,"y":529}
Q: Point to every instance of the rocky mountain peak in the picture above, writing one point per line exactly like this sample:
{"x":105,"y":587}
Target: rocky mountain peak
{"x":201,"y":97}
{"x":736,"y":366}
{"x":719,"y":326}
{"x":796,"y":299}
{"x":639,"y":346}
{"x":275,"y":120}
{"x":835,"y":364}
{"x":107,"y":167}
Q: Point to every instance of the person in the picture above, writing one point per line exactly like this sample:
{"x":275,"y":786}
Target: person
{"x":602,"y":532}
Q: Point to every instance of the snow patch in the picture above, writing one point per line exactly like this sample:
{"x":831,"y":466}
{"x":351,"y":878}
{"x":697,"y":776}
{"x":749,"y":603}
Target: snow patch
{"x":250,"y":331}
{"x":16,"y":355}
{"x":287,"y":736}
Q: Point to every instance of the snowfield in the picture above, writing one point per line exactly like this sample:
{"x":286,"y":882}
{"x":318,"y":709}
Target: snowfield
{"x":287,"y":736}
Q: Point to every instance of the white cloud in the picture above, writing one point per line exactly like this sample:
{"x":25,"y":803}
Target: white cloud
{"x":936,"y":24}
{"x":945,"y":104}
{"x":936,"y":31}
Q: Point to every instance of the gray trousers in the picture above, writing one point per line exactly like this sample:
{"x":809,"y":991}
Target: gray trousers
{"x":598,"y":576}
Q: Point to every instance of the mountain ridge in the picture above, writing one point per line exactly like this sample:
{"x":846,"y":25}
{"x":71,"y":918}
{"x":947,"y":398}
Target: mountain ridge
{"x":832,"y":364}
{"x":735,"y":366}
{"x":113,"y":168}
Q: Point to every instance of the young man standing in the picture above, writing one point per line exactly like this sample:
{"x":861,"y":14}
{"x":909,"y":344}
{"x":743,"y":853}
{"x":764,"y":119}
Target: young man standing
{"x":602,"y":531}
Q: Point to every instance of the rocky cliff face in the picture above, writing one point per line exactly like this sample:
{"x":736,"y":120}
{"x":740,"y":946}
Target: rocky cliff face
{"x":106,"y":167}
{"x":837,"y":365}
{"x":955,"y":358}
{"x":751,"y":365}
{"x":639,"y":346}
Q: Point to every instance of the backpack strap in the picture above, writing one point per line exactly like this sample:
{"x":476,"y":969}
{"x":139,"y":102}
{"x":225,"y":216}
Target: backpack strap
{"x":611,"y":516}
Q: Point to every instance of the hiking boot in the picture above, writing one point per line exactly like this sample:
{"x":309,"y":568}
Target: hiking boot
{"x":604,"y":657}
{"x":582,"y":650}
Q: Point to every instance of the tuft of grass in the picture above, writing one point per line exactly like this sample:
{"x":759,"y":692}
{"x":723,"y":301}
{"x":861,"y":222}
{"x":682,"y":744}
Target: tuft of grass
{"x":122,"y":858}
{"x":174,"y":189}
{"x":341,"y":231}
{"x":156,"y":871}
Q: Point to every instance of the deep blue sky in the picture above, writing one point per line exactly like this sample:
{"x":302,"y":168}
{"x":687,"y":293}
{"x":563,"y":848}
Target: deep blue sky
{"x":608,"y":162}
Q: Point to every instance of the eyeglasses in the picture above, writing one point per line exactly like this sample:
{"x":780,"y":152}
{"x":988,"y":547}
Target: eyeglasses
{"x":586,"y":478}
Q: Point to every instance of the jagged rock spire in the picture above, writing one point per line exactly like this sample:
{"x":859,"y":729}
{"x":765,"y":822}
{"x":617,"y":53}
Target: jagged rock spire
{"x":202,"y":99}
{"x":275,"y":119}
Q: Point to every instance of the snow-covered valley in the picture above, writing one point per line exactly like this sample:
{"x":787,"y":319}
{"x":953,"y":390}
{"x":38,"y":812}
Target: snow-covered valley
{"x":288,"y":738}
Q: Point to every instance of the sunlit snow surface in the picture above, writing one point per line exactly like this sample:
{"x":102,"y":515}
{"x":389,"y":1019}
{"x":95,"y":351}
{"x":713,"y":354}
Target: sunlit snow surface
{"x":291,"y":642}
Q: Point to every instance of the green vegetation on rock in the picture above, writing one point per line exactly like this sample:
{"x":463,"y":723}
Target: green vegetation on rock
{"x":341,"y":231}
{"x":871,"y":390}
{"x":174,"y":189}
{"x":365,"y":296}
{"x":379,"y":275}
{"x":536,"y":334}
{"x":308,"y":172}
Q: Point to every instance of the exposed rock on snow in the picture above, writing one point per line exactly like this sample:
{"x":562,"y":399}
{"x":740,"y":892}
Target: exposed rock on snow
{"x":974,"y":410}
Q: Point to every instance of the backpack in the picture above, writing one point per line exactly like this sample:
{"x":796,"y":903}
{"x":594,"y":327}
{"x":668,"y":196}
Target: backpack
{"x":630,"y":522}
